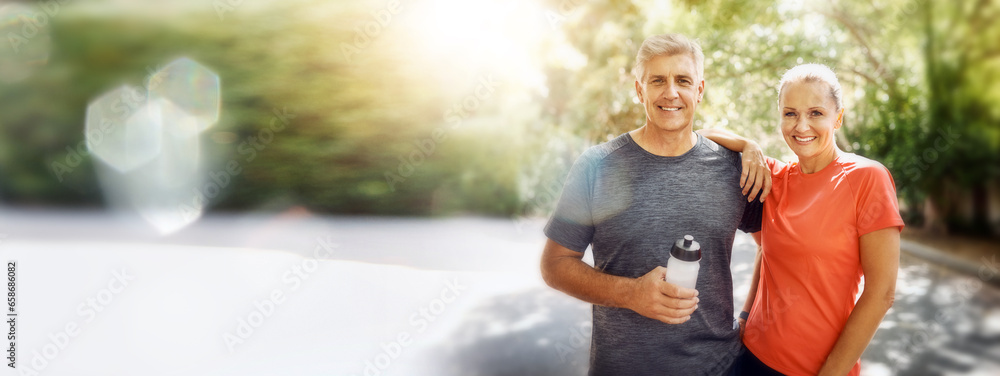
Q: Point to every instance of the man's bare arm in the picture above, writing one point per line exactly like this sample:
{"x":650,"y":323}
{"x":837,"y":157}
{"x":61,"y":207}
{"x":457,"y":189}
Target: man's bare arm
{"x":563,"y":269}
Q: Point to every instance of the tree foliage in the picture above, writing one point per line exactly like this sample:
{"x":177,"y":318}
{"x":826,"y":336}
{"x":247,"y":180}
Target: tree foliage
{"x":919,"y":81}
{"x":396,"y":124}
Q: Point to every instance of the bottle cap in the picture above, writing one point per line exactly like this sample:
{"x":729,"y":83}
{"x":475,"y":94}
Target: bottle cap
{"x":686,"y":249}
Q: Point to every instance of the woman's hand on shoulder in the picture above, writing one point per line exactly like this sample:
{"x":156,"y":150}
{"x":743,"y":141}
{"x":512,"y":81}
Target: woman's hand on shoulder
{"x":756,"y":176}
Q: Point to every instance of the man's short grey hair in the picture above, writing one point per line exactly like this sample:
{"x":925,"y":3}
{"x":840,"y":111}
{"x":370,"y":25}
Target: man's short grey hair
{"x":814,"y":73}
{"x":668,"y":45}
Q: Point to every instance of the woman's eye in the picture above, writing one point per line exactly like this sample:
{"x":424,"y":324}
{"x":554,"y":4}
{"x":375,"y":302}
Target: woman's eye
{"x":817,"y":113}
{"x":789,"y":114}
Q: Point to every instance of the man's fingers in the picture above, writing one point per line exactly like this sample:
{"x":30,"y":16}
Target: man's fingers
{"x":674,"y":320}
{"x":660,"y":272}
{"x":673,"y":316}
{"x":680,"y":304}
{"x":675,"y":291}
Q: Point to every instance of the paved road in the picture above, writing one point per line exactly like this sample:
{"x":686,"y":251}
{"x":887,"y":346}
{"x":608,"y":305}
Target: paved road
{"x":257,"y":294}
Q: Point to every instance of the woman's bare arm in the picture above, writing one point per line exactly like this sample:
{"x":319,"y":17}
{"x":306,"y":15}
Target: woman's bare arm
{"x":880,"y":263}
{"x":756,"y":176}
{"x":754,"y":281}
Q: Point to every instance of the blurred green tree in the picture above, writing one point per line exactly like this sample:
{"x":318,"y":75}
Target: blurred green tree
{"x":354,"y":118}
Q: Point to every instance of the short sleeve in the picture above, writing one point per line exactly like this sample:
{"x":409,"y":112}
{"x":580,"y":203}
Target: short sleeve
{"x":572,"y":223}
{"x":752,"y":213}
{"x":876,"y":201}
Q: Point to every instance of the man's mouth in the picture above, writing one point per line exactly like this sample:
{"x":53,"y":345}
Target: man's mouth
{"x":803,"y":139}
{"x":669,"y":108}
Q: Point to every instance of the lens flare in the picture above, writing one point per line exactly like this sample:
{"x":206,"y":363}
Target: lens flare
{"x":150,"y":143}
{"x":193,"y":88}
{"x":121,"y":130}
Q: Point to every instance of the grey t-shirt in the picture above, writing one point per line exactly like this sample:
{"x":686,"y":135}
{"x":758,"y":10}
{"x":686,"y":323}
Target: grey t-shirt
{"x":631,"y":206}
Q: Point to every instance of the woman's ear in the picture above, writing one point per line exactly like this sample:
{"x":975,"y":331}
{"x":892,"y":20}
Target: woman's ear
{"x":840,"y":118}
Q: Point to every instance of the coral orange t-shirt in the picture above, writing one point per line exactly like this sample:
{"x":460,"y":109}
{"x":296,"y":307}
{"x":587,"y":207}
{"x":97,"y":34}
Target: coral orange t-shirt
{"x":811,"y":266}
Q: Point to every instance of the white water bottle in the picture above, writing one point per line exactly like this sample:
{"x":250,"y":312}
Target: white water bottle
{"x":683,"y":265}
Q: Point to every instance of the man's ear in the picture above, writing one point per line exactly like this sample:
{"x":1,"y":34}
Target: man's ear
{"x":638,"y":91}
{"x":701,"y":91}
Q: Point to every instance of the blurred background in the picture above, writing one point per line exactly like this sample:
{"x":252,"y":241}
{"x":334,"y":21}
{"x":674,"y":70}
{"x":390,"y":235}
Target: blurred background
{"x":429,"y":139}
{"x":558,"y":78}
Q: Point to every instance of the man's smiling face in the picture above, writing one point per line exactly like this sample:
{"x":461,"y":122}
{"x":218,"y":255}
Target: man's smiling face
{"x":670,"y":90}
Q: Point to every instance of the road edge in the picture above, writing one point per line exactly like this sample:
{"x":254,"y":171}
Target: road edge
{"x":945,"y":259}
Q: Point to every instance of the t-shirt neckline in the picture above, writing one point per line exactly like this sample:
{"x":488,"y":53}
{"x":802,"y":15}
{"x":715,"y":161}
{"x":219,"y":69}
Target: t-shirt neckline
{"x":635,"y":145}
{"x":823,"y":171}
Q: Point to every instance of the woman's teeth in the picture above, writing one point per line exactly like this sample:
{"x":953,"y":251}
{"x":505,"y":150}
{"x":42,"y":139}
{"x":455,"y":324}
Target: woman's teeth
{"x":804,"y":139}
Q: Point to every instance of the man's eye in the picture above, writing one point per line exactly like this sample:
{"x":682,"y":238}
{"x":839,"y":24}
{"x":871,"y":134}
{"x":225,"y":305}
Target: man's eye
{"x":685,"y":82}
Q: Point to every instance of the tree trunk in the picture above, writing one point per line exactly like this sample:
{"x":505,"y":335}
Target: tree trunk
{"x":933,"y":221}
{"x":981,"y":209}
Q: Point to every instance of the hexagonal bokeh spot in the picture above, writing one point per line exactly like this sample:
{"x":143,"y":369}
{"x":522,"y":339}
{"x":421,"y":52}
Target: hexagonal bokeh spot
{"x":164,"y":191}
{"x":122,"y":130}
{"x":25,"y":41}
{"x":175,"y":120}
{"x":179,"y":160}
{"x":150,"y":143}
{"x":193,"y":88}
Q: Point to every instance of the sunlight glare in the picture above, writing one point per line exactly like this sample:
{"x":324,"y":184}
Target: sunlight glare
{"x":468,"y":37}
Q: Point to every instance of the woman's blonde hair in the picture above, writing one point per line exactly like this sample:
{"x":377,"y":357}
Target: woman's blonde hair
{"x":814,"y":73}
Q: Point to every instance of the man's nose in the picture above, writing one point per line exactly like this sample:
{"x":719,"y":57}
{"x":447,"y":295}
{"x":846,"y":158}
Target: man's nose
{"x":670,"y":91}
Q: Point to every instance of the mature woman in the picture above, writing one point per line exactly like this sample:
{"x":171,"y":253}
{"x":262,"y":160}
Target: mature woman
{"x":830,"y":218}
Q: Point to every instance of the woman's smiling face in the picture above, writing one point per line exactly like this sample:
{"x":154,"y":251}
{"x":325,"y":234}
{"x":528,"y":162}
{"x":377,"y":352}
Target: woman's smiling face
{"x":809,"y":118}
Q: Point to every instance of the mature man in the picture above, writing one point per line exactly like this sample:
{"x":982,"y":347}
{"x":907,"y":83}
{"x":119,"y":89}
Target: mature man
{"x":630,"y":199}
